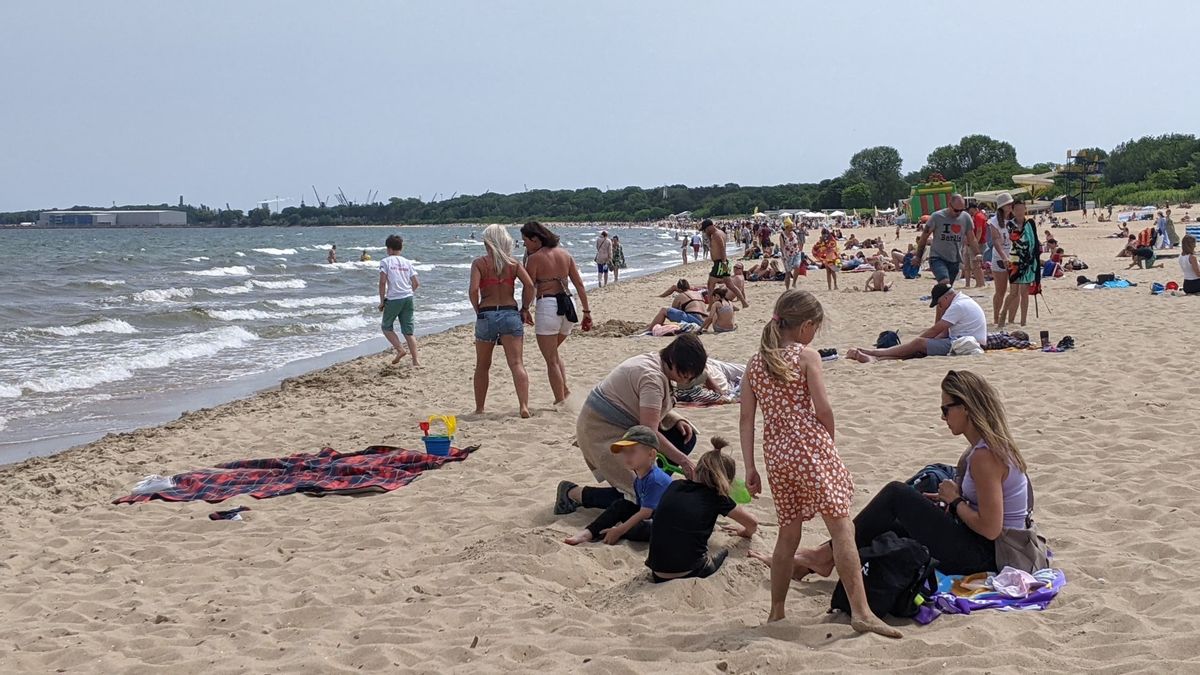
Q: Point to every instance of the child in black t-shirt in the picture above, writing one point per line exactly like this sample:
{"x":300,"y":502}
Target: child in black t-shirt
{"x":686,"y":515}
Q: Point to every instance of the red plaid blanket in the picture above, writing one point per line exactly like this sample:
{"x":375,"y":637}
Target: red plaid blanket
{"x":379,"y":467}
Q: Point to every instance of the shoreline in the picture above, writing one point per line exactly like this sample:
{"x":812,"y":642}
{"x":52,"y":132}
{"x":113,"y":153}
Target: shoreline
{"x":181,"y":404}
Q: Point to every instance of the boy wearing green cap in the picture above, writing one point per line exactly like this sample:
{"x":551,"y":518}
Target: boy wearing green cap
{"x":622,"y":518}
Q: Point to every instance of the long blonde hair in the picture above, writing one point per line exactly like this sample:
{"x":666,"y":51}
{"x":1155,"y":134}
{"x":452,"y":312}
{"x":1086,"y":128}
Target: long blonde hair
{"x":792,"y":309}
{"x":715,"y":468}
{"x":985,"y":411}
{"x":499,"y":247}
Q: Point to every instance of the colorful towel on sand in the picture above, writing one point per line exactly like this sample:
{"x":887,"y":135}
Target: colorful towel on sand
{"x":1009,"y":590}
{"x":381,"y":468}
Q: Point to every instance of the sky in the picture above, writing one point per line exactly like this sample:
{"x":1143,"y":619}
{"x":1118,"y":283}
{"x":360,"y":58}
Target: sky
{"x":228,"y":101}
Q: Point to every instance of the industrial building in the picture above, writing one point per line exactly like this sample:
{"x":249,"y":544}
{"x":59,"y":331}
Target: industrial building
{"x":162,"y":218}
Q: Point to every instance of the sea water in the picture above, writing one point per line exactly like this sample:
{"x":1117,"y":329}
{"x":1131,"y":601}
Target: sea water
{"x":108,"y":330}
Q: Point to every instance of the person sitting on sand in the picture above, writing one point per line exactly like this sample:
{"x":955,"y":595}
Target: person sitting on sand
{"x":624,"y":518}
{"x":492,"y":292}
{"x":1129,"y":248}
{"x":767,"y":270}
{"x":878,"y":282}
{"x":958,"y":315}
{"x":397,"y":283}
{"x":720,"y":378}
{"x":687,"y":307}
{"x":720,"y":312}
{"x":638,"y":391}
{"x":1189,"y":263}
{"x":980,"y":521}
{"x":686,"y":515}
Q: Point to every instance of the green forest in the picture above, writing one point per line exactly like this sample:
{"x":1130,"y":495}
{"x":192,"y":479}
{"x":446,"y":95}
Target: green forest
{"x":1149,"y":170}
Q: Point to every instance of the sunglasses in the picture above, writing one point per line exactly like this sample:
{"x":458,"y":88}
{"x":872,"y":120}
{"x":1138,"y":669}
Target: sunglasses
{"x":946,"y":408}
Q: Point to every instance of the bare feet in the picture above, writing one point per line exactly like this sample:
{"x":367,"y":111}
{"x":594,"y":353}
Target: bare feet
{"x":478,"y":411}
{"x":581,"y":538}
{"x":814,"y":562}
{"x":875,"y":625}
{"x":776,"y":614}
{"x":525,"y":414}
{"x":856,"y":354}
{"x":400,"y":353}
{"x":799,"y":571}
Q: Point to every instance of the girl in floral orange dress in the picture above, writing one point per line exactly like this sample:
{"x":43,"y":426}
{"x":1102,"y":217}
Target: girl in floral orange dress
{"x":806,"y":474}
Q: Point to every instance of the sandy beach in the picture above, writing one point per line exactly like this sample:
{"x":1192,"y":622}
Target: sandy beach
{"x":464,"y":570}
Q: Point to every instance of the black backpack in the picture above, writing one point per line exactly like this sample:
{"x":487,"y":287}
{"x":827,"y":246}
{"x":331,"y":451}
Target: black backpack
{"x":895,"y":571}
{"x":929,"y":478}
{"x":888,"y":338}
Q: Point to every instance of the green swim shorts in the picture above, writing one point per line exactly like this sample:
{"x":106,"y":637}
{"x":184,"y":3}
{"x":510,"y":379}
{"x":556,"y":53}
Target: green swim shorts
{"x":720,"y":269}
{"x":401,"y":309}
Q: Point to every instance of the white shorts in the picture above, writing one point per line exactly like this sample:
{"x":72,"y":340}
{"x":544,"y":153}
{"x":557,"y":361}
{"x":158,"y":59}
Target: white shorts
{"x":546,"y":320}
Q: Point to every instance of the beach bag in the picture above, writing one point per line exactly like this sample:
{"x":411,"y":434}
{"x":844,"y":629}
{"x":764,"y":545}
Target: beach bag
{"x":1105,"y":278}
{"x":928,"y":479}
{"x":888,"y":338}
{"x":965,"y":346}
{"x":895,"y":571}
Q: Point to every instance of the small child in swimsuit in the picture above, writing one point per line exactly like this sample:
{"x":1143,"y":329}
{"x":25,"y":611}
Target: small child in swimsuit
{"x":720,"y":312}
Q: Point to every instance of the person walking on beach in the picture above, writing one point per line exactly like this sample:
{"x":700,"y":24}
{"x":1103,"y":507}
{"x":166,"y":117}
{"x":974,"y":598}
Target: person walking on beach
{"x":1024,"y":265}
{"x":790,"y":248}
{"x":806,"y":475}
{"x":721,"y":271}
{"x":551,"y":268}
{"x":332,"y":257}
{"x":952,"y":231}
{"x":603,"y":257}
{"x":493,"y":295}
{"x":687,"y":241}
{"x":999,"y":228}
{"x":618,"y":258}
{"x":397,"y":284}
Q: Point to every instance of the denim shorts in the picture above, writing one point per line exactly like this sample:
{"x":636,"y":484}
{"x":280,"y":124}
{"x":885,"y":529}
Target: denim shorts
{"x":944,"y":269}
{"x":491,"y":325}
{"x":680,"y":316}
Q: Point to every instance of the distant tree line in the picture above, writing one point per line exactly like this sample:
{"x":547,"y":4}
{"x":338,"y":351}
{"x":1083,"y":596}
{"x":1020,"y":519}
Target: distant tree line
{"x":1152,"y":169}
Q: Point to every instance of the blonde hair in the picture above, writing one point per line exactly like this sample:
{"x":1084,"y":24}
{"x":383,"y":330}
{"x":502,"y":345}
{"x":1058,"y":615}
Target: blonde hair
{"x":792,"y":309}
{"x":985,"y":411}
{"x":715,"y":468}
{"x":499,"y":247}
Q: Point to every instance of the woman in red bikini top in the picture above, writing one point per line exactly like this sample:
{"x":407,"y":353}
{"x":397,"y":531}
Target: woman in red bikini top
{"x":498,"y":320}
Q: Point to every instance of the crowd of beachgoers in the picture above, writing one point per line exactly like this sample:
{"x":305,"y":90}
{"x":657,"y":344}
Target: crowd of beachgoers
{"x":651,"y":485}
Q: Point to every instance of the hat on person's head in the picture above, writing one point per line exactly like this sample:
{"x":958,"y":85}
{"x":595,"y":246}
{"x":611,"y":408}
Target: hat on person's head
{"x":936,"y":294}
{"x":638,"y":435}
{"x":1003,"y":199}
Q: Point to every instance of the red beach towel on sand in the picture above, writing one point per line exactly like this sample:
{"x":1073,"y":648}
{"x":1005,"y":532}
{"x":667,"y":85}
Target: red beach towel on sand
{"x":380,"y":467}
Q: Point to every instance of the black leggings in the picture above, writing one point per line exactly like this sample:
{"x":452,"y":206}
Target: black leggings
{"x":616,"y":513}
{"x":900,"y":508}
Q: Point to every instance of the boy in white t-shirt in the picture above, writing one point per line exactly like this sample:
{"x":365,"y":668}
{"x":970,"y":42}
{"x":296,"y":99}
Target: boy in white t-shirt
{"x":397,"y":281}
